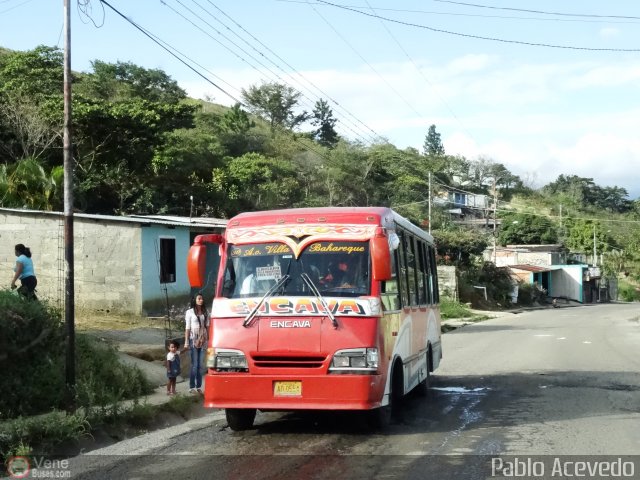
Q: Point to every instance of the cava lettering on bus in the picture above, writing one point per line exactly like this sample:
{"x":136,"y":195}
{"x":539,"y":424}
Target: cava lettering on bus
{"x":297,"y":306}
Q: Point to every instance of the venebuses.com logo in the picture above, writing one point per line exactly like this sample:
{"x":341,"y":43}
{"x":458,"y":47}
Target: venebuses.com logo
{"x":18,"y":467}
{"x":37,"y":467}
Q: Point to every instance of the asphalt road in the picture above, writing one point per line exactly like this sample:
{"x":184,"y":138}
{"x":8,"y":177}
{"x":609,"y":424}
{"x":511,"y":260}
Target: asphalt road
{"x":555,"y":382}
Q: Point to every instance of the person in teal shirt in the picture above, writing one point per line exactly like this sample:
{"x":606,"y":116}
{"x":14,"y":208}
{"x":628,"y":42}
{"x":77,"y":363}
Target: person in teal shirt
{"x":25,"y":272}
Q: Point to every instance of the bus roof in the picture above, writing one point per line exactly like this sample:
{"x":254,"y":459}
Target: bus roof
{"x":382,"y":216}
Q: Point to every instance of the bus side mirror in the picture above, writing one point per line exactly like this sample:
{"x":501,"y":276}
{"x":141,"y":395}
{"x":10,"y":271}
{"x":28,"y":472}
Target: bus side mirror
{"x":196,"y":264}
{"x":197,"y":259}
{"x":380,"y":258}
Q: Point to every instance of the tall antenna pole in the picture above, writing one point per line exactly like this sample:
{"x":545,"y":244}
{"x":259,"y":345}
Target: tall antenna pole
{"x":69,"y":306}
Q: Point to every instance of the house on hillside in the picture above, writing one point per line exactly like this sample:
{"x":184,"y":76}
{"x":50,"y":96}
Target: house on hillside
{"x":547,"y":266}
{"x":133,"y":265}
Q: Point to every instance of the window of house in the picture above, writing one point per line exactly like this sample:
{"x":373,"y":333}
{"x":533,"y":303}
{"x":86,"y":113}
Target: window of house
{"x":167,"y":260}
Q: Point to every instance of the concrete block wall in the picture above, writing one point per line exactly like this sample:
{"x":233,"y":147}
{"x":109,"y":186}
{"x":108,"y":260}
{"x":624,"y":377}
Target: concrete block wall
{"x":108,"y":272}
{"x":448,"y":281}
{"x":44,"y":237}
{"x":107,"y":259}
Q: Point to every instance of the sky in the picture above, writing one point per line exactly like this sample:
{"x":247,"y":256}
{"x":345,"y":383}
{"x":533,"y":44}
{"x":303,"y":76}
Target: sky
{"x":543,"y":87}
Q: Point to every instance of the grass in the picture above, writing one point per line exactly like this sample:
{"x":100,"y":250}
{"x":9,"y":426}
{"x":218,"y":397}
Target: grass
{"x":39,"y":435}
{"x":627,"y":292}
{"x":96,"y":321}
{"x":450,"y":308}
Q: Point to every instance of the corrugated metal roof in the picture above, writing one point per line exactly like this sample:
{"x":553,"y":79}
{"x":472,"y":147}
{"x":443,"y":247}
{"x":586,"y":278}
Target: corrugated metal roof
{"x":531,"y":268}
{"x":139,"y":219}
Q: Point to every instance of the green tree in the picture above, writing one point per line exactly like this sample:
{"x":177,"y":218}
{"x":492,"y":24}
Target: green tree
{"x":459,"y":246}
{"x":26,"y":184}
{"x":255,"y":182}
{"x":580,"y":236}
{"x":325,"y":134}
{"x":120,"y":81}
{"x":523,"y":229}
{"x":34,"y":74}
{"x":433,"y":143}
{"x":119,"y":139}
{"x":275,"y":102}
{"x":236,"y":132}
{"x":29,"y":83}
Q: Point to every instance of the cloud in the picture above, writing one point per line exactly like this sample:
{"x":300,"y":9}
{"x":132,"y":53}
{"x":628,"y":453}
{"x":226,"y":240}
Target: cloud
{"x":609,"y":32}
{"x":538,"y":119}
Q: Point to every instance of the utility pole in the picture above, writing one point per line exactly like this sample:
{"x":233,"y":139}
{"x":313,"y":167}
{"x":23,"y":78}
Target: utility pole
{"x":595,"y":254}
{"x":561,"y":229}
{"x":69,"y":305}
{"x":495,"y":208}
{"x":429,"y":203}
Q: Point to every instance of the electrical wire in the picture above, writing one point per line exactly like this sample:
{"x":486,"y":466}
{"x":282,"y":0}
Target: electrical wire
{"x":391,"y":87}
{"x":153,"y":38}
{"x":603,"y":19}
{"x":480,"y":37}
{"x":335,"y":102}
{"x":147,"y":34}
{"x":541,"y":12}
{"x":419,"y":70}
{"x":15,"y":6}
{"x":240,"y":57}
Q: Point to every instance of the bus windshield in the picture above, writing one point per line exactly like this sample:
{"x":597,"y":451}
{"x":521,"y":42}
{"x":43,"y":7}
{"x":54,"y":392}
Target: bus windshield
{"x":339,"y":269}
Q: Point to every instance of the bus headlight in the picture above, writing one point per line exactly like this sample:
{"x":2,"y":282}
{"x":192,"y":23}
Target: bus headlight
{"x":227,"y":360}
{"x":355,"y":360}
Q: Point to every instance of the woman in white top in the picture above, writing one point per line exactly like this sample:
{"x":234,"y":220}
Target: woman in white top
{"x":196,"y":336}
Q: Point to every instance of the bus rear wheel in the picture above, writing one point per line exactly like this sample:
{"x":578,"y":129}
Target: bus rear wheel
{"x":240,"y":418}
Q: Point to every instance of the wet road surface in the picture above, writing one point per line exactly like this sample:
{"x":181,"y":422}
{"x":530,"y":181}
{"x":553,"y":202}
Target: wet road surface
{"x":551,"y":382}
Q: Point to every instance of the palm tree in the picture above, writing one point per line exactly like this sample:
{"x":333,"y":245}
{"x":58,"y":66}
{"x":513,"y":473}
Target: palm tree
{"x":26,"y":184}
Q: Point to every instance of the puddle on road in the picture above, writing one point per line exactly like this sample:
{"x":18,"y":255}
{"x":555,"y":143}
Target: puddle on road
{"x":461,"y":389}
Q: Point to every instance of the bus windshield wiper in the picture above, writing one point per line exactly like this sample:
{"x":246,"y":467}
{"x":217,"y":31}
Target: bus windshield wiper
{"x":316,"y":292}
{"x":252,"y":314}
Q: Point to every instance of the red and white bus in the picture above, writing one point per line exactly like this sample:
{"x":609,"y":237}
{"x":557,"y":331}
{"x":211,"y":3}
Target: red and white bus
{"x":319,"y":309}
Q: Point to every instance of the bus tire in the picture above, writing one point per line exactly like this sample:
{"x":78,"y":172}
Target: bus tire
{"x":424,"y":386}
{"x":240,"y":418}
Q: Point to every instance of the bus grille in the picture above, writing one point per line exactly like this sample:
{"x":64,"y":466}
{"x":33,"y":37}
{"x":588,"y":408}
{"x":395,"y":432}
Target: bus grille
{"x":266,"y":361}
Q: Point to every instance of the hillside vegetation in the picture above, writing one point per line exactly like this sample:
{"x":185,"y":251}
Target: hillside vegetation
{"x":142,"y":146}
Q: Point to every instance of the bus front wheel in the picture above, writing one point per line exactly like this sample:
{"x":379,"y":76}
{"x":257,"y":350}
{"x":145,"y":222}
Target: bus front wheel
{"x":240,"y":418}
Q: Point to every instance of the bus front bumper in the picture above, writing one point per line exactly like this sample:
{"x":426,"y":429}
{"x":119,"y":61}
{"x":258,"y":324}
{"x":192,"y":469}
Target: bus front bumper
{"x":294,"y":392}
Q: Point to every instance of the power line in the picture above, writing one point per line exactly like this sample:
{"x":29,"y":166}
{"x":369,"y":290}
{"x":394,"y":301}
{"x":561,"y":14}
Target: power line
{"x":295,"y":71}
{"x":239,"y":56}
{"x":411,"y":107}
{"x":153,"y":38}
{"x":478,"y":15}
{"x":480,"y":37}
{"x":147,"y":34}
{"x":15,"y":6}
{"x":541,"y":12}
{"x":311,"y":104}
{"x":514,"y":210}
{"x":406,"y":54}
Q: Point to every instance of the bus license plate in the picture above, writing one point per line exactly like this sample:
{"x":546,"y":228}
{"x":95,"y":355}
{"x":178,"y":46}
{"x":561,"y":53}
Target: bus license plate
{"x":287,"y":389}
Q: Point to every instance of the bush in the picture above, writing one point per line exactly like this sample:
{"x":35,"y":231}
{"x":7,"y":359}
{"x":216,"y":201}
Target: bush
{"x":529,"y":294}
{"x":628,"y":293}
{"x":496,"y":280}
{"x":451,"y":309}
{"x":33,"y":349}
{"x":18,"y":435}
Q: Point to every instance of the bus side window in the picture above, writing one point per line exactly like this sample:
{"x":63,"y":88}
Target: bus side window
{"x":434,"y":275}
{"x":422,"y":267}
{"x":390,"y":294}
{"x":411,"y":269}
{"x":402,"y":270}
